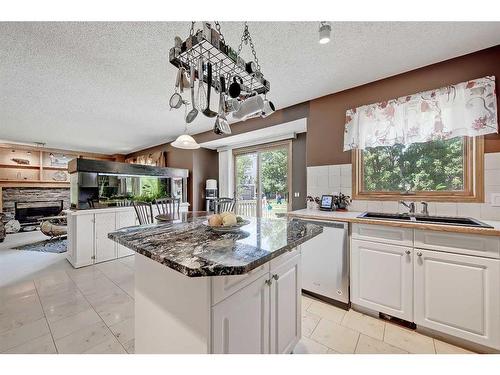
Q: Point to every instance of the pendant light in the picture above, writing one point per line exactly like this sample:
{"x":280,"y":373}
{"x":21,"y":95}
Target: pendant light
{"x":324,"y":32}
{"x":185,"y":141}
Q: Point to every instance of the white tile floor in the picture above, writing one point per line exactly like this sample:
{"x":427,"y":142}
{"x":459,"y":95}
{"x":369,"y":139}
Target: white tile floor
{"x":46,"y":306}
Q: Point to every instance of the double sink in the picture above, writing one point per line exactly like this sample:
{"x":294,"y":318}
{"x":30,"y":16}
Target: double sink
{"x":426,"y":219}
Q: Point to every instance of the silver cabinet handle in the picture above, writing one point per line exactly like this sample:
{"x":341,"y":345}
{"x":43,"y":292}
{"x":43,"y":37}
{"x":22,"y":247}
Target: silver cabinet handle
{"x":269,"y":282}
{"x":419,"y":254}
{"x":408,"y":252}
{"x":276,"y":277}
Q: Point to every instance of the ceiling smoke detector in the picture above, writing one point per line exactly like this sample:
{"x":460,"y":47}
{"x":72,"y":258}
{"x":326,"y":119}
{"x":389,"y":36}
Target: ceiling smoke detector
{"x":325,"y":30}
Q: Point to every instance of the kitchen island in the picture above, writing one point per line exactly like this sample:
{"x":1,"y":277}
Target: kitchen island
{"x":197,"y":291}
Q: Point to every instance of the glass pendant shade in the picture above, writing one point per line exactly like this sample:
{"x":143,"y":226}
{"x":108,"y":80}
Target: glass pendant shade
{"x":185,"y":141}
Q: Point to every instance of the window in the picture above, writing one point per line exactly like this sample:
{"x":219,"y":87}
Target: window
{"x":441,"y":170}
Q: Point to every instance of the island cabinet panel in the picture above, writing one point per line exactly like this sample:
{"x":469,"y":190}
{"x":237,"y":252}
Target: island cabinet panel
{"x":458,"y":295}
{"x":223,"y":287}
{"x":105,"y":249}
{"x":382,"y":278}
{"x":286,"y":306}
{"x":172,"y":311}
{"x":240,"y":323}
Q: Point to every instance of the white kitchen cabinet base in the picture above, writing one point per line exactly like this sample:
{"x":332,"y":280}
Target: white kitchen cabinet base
{"x":382,"y":278}
{"x":458,"y":295}
{"x":176,"y":314}
{"x":172,"y":311}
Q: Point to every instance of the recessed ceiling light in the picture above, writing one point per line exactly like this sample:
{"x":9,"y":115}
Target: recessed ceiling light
{"x":324,"y":32}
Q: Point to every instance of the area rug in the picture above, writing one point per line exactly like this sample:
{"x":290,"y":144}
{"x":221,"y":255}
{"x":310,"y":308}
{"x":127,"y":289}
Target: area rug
{"x":58,"y":245}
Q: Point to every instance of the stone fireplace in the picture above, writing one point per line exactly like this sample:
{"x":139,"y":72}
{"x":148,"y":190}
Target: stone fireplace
{"x":11,"y":195}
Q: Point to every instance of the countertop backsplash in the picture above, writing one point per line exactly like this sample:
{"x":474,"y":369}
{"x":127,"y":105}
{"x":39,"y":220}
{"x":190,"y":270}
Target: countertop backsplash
{"x":330,"y":179}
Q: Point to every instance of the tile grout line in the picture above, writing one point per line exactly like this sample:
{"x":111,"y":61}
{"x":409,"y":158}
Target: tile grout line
{"x":357,"y":342}
{"x":45,"y":317}
{"x":92,"y":306}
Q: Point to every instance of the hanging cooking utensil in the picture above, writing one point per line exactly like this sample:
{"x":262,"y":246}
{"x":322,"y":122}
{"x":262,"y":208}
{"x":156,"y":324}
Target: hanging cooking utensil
{"x":184,"y":81}
{"x":202,"y":96}
{"x":207,"y":111}
{"x":235,"y":87}
{"x":176,"y":98}
{"x":226,"y":129}
{"x":221,"y":124}
{"x":193,"y":112}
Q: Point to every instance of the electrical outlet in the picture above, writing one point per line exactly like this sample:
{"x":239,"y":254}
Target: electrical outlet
{"x":495,"y":199}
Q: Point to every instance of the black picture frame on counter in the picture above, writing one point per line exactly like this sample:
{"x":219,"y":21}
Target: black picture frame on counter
{"x":327,"y":203}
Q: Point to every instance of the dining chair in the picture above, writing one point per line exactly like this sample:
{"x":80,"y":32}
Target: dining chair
{"x":124,"y":203}
{"x":224,"y":204}
{"x":144,"y":212}
{"x":169,"y":207}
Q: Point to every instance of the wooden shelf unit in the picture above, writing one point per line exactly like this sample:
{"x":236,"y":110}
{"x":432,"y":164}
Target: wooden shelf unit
{"x":39,"y":172}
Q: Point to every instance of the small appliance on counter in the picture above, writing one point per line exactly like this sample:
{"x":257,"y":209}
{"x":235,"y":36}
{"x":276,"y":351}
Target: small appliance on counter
{"x":210,"y":195}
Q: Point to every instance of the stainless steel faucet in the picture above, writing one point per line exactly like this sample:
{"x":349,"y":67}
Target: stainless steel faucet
{"x":410,"y":206}
{"x":425,"y":208}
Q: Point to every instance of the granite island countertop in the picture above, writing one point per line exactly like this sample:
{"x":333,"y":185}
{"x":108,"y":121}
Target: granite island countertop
{"x":194,"y":250}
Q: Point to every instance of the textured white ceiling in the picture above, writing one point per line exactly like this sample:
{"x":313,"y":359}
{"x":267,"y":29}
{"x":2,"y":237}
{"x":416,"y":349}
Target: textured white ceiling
{"x":104,"y":87}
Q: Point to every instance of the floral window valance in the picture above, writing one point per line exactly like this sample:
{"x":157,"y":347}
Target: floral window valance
{"x":465,"y":109}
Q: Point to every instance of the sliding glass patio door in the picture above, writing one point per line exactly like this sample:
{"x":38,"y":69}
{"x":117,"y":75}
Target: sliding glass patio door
{"x":262,"y":179}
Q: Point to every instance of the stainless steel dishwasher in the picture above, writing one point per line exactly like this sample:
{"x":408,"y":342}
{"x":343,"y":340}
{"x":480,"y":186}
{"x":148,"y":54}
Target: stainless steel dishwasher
{"x":325,"y":262}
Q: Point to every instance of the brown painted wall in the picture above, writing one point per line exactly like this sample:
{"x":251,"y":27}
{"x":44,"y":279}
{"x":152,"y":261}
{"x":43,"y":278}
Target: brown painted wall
{"x":326,"y":115}
{"x":205,"y":166}
{"x":202,"y":165}
{"x":325,"y":125}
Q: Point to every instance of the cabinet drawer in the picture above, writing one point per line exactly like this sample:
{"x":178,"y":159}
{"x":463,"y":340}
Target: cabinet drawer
{"x":381,"y":233}
{"x":460,"y":243}
{"x":224,"y":286}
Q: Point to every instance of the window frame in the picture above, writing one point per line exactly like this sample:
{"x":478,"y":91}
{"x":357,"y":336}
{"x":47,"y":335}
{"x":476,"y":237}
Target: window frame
{"x":473,"y":179}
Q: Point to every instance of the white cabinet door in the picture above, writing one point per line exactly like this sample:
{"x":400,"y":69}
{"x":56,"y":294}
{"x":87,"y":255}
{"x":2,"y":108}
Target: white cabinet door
{"x":285,"y":306}
{"x":240,"y":323}
{"x":105,"y":249}
{"x":382,"y":278}
{"x":458,"y":295}
{"x":81,"y":239}
{"x":124,"y":219}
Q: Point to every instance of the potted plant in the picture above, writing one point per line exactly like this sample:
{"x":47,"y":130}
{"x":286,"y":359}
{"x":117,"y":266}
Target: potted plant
{"x":342,"y":201}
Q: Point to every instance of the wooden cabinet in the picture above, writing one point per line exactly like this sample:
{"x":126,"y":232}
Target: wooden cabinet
{"x":240,"y":323}
{"x":263,"y":316}
{"x":458,"y":295}
{"x":382,"y":278}
{"x":285,"y":306}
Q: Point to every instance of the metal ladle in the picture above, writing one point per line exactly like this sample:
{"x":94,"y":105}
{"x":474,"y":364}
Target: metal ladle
{"x":193,"y":112}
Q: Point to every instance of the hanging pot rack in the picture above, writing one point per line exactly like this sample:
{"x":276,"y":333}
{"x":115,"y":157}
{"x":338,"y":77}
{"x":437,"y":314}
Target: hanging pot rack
{"x":209,"y":44}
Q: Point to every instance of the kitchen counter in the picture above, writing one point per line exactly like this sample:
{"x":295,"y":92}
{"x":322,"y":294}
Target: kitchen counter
{"x":192,"y":249}
{"x":352,"y":217}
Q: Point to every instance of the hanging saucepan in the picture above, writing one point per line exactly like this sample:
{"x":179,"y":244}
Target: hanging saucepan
{"x":176,"y":99}
{"x":235,"y":87}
